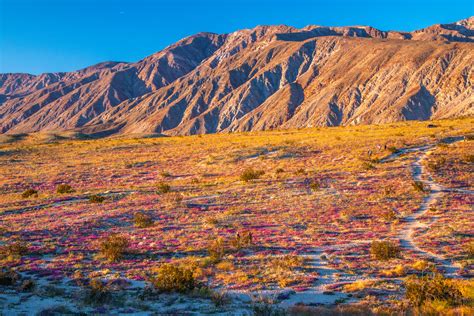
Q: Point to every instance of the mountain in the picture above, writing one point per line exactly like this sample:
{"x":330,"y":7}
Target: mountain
{"x":256,"y":79}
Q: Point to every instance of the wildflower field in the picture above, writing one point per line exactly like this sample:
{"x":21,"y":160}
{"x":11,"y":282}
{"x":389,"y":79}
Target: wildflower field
{"x":308,"y":221}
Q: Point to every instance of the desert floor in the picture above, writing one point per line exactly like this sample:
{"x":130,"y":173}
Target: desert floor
{"x":269,"y":222}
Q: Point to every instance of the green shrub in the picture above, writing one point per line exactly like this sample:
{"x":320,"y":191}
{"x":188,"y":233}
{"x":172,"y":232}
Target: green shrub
{"x":64,"y":188}
{"x":113,"y":247}
{"x":172,"y":278}
{"x":384,"y":250}
{"x":163,"y":188}
{"x":432,"y":288}
{"x":142,"y":220}
{"x":96,"y":198}
{"x":251,"y":174}
{"x":29,"y":193}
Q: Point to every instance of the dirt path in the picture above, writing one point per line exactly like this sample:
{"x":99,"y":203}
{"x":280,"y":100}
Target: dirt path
{"x":434,"y":192}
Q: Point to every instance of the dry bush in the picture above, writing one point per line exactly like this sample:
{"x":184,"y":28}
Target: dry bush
{"x":8,"y":277}
{"x":97,"y":292}
{"x":173,"y":278}
{"x":64,"y":188}
{"x":419,"y":186}
{"x":96,"y":198}
{"x":14,"y":250}
{"x":432,"y":288}
{"x":251,"y":174}
{"x":216,"y":249}
{"x":163,"y":188}
{"x":113,"y":247}
{"x":384,"y":250}
{"x":29,"y":193}
{"x":172,"y":199}
{"x":142,"y":220}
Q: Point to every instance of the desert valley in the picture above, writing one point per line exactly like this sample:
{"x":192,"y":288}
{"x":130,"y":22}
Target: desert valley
{"x":269,"y":171}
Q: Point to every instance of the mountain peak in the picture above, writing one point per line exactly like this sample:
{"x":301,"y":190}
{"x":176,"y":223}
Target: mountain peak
{"x":270,"y":76}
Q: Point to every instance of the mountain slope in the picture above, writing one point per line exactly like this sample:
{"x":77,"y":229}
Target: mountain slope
{"x":264,"y":78}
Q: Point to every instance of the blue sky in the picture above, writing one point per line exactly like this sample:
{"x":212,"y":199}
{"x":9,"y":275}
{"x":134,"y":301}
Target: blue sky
{"x":62,"y":35}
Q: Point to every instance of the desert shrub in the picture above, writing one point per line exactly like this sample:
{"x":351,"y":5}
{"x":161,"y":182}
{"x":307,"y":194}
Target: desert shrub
{"x":97,"y":292}
{"x":113,"y":247}
{"x":27,"y":286}
{"x":384,"y":250}
{"x":266,"y":306}
{"x":96,"y":198}
{"x":216,"y":249}
{"x":396,"y":271}
{"x":468,"y":158}
{"x":419,"y":186}
{"x":64,"y":188}
{"x":314,"y":185}
{"x":241,"y":241}
{"x":163,"y":188}
{"x":287,"y":262}
{"x":423,"y":266}
{"x":165,"y":174}
{"x":172,"y":199}
{"x":29,"y":193}
{"x":432,"y":288}
{"x":16,"y":249}
{"x":142,"y":220}
{"x":8,"y":277}
{"x":367,"y":166}
{"x":389,"y":216}
{"x":173,"y":278}
{"x":437,"y":164}
{"x":392,"y":149}
{"x":251,"y":174}
{"x":470,"y":249}
{"x":300,"y":172}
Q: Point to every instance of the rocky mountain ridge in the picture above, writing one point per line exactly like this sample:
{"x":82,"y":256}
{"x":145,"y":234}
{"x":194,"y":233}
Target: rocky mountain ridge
{"x":256,"y":79}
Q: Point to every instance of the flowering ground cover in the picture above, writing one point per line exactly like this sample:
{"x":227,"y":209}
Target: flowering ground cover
{"x":283,"y":216}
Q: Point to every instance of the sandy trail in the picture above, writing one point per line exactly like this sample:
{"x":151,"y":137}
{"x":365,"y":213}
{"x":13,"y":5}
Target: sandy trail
{"x":434,"y":192}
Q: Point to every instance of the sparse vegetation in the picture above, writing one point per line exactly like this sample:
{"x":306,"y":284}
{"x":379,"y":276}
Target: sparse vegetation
{"x":14,"y":250}
{"x":142,"y":220}
{"x":216,"y":249}
{"x":64,"y":188}
{"x":251,"y":174}
{"x":29,"y":193}
{"x":163,"y":188}
{"x":113,"y":247}
{"x":384,"y":250}
{"x":96,"y":198}
{"x":432,"y":288}
{"x":419,"y":186}
{"x":173,"y":278}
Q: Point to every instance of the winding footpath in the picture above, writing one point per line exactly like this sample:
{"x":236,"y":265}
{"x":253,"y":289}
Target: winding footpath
{"x":434,"y":192}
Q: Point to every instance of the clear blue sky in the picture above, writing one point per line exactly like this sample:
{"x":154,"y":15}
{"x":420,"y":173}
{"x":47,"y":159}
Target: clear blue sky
{"x":62,"y":35}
